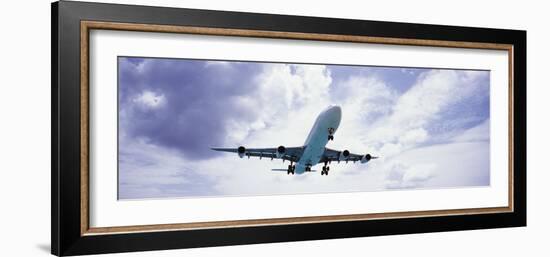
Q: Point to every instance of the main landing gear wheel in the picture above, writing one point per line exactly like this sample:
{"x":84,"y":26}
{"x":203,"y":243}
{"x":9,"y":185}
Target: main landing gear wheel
{"x":325,"y":170}
{"x":291,"y":169}
{"x":308,"y":168}
{"x":330,"y":137}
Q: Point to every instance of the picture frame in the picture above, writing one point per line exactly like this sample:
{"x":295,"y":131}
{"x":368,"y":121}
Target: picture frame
{"x":72,"y":23}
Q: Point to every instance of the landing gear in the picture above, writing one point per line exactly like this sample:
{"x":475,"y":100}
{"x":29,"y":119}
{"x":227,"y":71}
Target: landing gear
{"x":330,"y":134}
{"x":291,"y":169}
{"x":326,"y":168}
{"x":308,"y":168}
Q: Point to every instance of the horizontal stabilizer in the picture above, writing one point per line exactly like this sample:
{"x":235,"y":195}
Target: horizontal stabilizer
{"x":287,"y":170}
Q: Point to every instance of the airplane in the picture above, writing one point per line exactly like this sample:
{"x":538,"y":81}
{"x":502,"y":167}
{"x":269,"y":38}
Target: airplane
{"x":314,"y":150}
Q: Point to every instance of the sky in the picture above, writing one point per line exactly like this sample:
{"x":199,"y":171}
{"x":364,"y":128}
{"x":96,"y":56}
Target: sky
{"x":430,"y":127}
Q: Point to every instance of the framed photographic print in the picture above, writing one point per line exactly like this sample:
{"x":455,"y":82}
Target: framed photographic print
{"x":178,"y":128}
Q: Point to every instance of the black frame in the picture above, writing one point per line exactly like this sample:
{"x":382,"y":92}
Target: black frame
{"x":66,"y":236}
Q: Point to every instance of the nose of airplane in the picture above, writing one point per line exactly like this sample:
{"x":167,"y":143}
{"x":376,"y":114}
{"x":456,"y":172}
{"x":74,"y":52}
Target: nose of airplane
{"x":335,"y":110}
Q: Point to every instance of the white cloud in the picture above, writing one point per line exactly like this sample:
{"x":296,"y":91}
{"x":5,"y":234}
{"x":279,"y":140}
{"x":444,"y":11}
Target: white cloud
{"x":480,"y":132}
{"x":148,"y":171}
{"x":223,"y":64}
{"x":414,"y":136}
{"x":413,"y":111}
{"x":400,"y":175}
{"x":365,"y":100}
{"x":150,"y":99}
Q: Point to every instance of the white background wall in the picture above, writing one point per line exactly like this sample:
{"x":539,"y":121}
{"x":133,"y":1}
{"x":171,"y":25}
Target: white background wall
{"x":25,"y":127}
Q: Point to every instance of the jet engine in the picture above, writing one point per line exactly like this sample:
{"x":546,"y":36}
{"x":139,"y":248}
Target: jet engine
{"x":366,"y":158}
{"x":281,"y":150}
{"x":241,"y":151}
{"x":344,"y":155}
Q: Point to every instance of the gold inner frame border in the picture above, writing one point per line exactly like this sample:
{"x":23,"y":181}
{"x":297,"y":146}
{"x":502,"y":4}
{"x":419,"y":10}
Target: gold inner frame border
{"x":86,"y":26}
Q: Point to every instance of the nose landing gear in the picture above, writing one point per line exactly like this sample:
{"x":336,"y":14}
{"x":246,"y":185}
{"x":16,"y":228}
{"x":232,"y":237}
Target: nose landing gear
{"x":331,"y":134}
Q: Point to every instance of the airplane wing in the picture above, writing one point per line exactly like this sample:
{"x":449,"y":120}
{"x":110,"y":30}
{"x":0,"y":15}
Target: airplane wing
{"x":285,"y":153}
{"x":331,"y":155}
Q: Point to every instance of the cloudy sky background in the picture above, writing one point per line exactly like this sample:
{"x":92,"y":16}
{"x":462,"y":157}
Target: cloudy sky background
{"x":429,"y":126}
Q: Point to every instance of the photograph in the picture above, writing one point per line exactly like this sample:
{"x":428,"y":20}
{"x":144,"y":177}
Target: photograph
{"x":215,"y":128}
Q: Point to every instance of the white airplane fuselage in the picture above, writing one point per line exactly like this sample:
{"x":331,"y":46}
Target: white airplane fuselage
{"x":312,"y":152}
{"x":318,"y":137}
